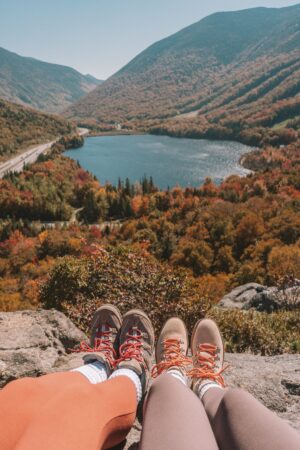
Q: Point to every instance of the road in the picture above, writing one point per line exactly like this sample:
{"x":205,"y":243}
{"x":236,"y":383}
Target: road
{"x":16,"y":163}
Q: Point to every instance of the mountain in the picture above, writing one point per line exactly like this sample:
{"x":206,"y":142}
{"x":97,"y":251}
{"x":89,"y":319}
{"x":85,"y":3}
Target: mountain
{"x":241,"y":62}
{"x":44,"y":86}
{"x":22,"y":127}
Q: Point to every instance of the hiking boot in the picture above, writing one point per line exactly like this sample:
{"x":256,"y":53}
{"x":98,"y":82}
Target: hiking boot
{"x":208,"y":355}
{"x":171,"y":348}
{"x":136,"y":345}
{"x":105,"y":327}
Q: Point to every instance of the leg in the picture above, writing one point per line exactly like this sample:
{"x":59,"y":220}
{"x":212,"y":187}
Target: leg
{"x":64,"y":411}
{"x":175,"y":418}
{"x":240,"y":422}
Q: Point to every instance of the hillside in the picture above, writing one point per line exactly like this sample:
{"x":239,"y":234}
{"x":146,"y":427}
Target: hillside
{"x":235,"y":68}
{"x":22,"y":127}
{"x":44,"y":86}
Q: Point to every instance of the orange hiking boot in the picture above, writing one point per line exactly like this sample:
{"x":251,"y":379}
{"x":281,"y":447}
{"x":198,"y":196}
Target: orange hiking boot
{"x":171,"y":348}
{"x":136,"y":345}
{"x":208,"y":356}
{"x":105,"y":327}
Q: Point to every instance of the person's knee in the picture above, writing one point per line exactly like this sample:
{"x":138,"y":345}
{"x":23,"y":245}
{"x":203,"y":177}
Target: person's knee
{"x":235,"y":399}
{"x":22,"y":385}
{"x":163,"y":388}
{"x":162,"y":382}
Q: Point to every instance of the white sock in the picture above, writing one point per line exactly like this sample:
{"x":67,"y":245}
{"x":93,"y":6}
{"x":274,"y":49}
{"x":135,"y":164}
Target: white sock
{"x":134,"y":378}
{"x":178,"y":375}
{"x":95,"y":372}
{"x":205,"y":387}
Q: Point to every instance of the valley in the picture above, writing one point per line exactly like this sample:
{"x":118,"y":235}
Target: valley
{"x":191,"y":223}
{"x":30,"y":156}
{"x":235,"y":74}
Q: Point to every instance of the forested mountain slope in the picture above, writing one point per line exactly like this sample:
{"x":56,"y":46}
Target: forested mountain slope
{"x":241,"y":66}
{"x":21,"y":127}
{"x":44,"y":86}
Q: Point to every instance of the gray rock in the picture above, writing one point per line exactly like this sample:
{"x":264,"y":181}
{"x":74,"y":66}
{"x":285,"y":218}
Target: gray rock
{"x":273,"y":299}
{"x":31,"y":342}
{"x":37,"y":342}
{"x":262,"y":298}
{"x":241,"y":296}
{"x":273,"y":380}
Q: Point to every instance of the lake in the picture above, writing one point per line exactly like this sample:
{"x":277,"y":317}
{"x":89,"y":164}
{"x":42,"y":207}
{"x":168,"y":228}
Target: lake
{"x":170,"y":161}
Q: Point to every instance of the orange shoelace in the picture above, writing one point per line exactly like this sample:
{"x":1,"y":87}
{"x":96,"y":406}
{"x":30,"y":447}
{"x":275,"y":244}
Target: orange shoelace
{"x":206,"y":365}
{"x":132,"y":347}
{"x":173,"y":357}
{"x":103,"y":344}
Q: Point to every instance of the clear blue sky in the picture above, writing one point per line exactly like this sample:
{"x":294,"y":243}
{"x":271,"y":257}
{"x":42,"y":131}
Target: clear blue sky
{"x":100,"y":36}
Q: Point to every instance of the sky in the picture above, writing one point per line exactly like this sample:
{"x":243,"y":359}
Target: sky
{"x":101,"y":36}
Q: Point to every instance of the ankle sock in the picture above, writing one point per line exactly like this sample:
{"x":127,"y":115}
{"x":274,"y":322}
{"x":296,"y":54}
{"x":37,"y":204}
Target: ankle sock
{"x":134,"y":378}
{"x":95,"y":372}
{"x":178,"y":375}
{"x":205,"y":387}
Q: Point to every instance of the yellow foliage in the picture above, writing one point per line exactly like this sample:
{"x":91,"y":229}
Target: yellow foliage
{"x":31,"y":292}
{"x":214,"y":287}
{"x":42,"y":236}
{"x":75,"y":244}
{"x":284,"y":261}
{"x":10,"y":301}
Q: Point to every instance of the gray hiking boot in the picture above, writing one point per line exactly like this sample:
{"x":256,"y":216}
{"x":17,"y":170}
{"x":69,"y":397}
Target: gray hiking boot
{"x":208,"y":355}
{"x":136,"y":345}
{"x":171,"y":348}
{"x":105,"y":327}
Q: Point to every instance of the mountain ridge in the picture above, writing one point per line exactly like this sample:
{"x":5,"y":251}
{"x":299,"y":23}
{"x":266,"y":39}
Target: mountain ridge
{"x":175,"y":74}
{"x":207,"y":19}
{"x":41,"y":85}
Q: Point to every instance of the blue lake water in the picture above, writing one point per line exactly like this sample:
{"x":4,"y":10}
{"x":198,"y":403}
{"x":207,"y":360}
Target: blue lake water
{"x":170,"y":161}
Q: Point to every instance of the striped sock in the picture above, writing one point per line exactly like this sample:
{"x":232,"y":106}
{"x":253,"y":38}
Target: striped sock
{"x":203,"y":388}
{"x":178,"y":375}
{"x":134,"y":378}
{"x":95,"y":372}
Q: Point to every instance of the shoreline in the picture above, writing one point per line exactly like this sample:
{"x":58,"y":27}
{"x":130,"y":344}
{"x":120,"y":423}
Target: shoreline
{"x":115,"y":133}
{"x":240,"y":162}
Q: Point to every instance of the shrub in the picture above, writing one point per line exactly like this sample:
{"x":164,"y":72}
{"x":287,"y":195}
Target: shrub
{"x":77,"y":286}
{"x":268,"y":334}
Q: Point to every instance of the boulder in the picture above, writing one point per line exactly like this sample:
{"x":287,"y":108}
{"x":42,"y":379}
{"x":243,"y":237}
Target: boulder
{"x":31,"y":342}
{"x":273,"y":299}
{"x":262,"y":298}
{"x":241,"y":296}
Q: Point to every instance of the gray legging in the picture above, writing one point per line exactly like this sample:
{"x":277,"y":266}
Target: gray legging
{"x":229,"y":419}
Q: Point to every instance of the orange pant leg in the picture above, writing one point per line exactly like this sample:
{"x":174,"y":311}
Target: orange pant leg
{"x":66,"y":412}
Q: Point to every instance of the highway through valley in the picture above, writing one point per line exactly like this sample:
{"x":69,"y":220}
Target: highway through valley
{"x":16,"y":164}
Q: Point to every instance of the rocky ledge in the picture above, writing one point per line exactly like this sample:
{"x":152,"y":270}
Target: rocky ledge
{"x":33,"y":343}
{"x":262,"y":298}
